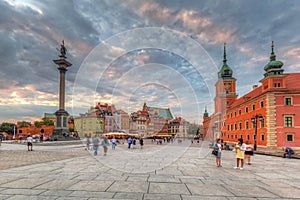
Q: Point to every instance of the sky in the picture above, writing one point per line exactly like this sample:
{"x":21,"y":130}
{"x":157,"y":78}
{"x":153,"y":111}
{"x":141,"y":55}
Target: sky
{"x":127,"y":53}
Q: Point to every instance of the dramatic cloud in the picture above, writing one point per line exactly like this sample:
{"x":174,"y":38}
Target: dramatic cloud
{"x":117,"y":58}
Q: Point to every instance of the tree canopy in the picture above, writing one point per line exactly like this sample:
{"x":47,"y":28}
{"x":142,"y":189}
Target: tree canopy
{"x":7,"y":127}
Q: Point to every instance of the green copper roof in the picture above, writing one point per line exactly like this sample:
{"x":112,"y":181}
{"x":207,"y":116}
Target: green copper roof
{"x":274,"y":66}
{"x":226,"y":71}
{"x":163,"y":112}
{"x":205,"y":113}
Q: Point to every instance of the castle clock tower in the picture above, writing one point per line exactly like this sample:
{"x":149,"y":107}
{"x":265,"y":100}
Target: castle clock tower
{"x":225,"y":87}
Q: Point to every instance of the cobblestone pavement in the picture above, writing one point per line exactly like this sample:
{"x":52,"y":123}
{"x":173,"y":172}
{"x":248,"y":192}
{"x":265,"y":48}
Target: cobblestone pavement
{"x":176,"y":171}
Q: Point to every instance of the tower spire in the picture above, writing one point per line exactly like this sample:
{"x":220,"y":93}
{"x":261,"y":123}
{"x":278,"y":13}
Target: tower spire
{"x":273,"y":56}
{"x":274,"y":66}
{"x":224,"y":59}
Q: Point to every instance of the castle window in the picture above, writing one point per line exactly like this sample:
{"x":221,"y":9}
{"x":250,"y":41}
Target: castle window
{"x":262,"y":104}
{"x":288,"y":101}
{"x":246,"y":109}
{"x":240,"y":125}
{"x":253,"y":107}
{"x":288,"y":121}
{"x":262,"y":137}
{"x":289,"y":137}
{"x":240,"y":112}
{"x":262,"y":122}
{"x":247,"y":125}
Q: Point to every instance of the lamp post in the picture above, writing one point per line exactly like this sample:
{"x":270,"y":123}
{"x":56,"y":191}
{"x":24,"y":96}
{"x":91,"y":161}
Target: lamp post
{"x":213,"y":128}
{"x":254,"y":120}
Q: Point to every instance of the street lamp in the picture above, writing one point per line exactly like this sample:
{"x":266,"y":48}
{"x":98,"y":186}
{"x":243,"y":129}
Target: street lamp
{"x":213,"y":128}
{"x":254,"y":121}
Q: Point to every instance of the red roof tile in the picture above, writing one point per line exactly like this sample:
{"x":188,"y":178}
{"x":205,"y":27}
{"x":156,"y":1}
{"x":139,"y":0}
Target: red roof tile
{"x":292,"y":83}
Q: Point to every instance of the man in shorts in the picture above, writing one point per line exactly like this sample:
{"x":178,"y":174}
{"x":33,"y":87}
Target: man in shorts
{"x":29,"y":143}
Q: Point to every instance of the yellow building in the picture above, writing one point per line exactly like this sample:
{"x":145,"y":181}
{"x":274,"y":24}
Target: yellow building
{"x":89,"y":124}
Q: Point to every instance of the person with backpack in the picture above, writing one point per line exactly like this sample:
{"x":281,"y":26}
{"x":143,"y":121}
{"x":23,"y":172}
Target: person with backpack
{"x":218,"y":150}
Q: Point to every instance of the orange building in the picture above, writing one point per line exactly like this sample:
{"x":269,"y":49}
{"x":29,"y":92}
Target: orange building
{"x":267,"y":116}
{"x":44,"y":130}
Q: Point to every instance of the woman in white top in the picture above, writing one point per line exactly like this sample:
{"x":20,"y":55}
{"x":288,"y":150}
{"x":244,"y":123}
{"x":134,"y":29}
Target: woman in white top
{"x":218,"y":148}
{"x":248,"y":152}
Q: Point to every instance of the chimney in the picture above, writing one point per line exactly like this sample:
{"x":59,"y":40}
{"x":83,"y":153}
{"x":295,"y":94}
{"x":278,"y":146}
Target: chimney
{"x":254,"y":86}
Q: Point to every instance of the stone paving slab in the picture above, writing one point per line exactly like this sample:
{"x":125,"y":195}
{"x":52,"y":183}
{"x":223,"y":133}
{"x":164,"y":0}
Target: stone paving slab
{"x":191,"y":175}
{"x":59,"y":184}
{"x":168,"y":188}
{"x":31,"y":197}
{"x":163,"y":179}
{"x":91,"y":186}
{"x":129,"y":186}
{"x":91,"y":194}
{"x":120,"y":195}
{"x":56,"y":193}
{"x":162,"y":197}
{"x":24,"y":183}
{"x":184,"y":197}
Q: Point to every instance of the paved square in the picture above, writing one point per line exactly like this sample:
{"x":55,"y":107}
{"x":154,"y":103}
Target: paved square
{"x":155,"y":172}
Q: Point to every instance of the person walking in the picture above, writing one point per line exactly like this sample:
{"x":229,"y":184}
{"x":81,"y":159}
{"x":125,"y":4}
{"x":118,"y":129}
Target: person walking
{"x":29,"y":142}
{"x":88,"y":142}
{"x":105,"y":144}
{"x":133,"y":143}
{"x":129,"y":140}
{"x":141,"y":142}
{"x":96,"y":142}
{"x":218,"y":148}
{"x":248,"y":152}
{"x":240,"y":149}
{"x":113,"y":143}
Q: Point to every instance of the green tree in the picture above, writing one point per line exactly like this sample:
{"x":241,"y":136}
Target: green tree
{"x":38,"y":124}
{"x":24,"y":124}
{"x":7,"y":127}
{"x":47,"y":122}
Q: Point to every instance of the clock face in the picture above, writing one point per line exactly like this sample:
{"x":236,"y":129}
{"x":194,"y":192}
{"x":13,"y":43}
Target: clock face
{"x":227,"y":86}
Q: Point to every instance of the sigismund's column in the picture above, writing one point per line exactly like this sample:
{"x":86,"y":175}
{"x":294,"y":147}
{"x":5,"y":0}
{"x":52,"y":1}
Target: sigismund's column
{"x":61,"y":129}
